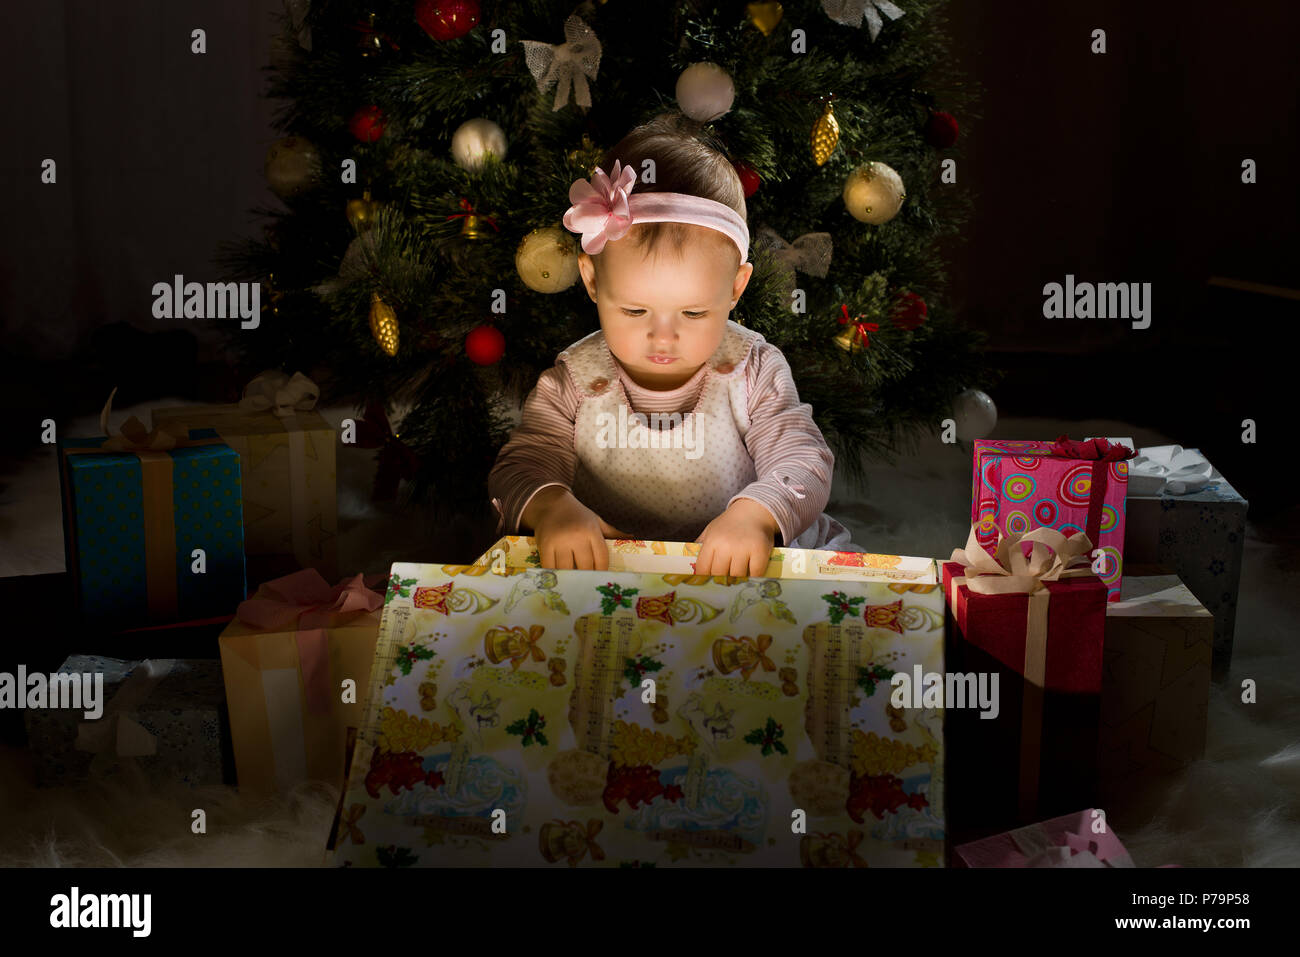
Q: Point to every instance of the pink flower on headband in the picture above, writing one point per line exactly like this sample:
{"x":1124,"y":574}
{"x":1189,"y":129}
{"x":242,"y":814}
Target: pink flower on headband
{"x":600,"y":207}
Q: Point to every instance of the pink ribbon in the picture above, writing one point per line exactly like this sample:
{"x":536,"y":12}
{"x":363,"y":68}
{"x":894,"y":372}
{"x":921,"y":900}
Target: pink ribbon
{"x":600,"y":208}
{"x":307,"y":599}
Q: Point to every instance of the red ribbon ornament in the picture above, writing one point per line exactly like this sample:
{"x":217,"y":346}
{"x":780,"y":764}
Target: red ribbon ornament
{"x":862,"y":327}
{"x":471,"y":211}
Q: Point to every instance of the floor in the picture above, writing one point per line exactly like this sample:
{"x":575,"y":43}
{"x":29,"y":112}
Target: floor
{"x":1237,"y":807}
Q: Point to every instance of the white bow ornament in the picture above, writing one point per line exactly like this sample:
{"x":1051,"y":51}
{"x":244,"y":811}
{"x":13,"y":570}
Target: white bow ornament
{"x":566,"y":66}
{"x":810,"y":253}
{"x":851,"y":12}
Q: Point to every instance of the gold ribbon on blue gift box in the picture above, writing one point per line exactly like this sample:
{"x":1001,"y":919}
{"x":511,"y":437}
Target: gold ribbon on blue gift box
{"x":153,"y":449}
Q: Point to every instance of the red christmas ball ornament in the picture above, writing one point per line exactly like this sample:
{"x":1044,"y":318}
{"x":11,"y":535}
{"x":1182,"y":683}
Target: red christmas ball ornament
{"x":446,"y":19}
{"x":485,"y":345}
{"x":909,"y":311}
{"x":367,"y":124}
{"x":941,"y":129}
{"x":749,"y":179}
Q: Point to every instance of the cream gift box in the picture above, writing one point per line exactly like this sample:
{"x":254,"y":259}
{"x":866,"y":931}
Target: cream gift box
{"x":1155,"y":689}
{"x":289,"y":481}
{"x":285,"y":658}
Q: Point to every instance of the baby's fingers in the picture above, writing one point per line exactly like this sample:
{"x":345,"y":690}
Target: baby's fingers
{"x":703,"y":560}
{"x":740,"y":563}
{"x":600,"y":552}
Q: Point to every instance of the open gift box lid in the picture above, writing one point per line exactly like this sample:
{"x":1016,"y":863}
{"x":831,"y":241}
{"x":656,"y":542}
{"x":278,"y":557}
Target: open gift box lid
{"x":635,"y":555}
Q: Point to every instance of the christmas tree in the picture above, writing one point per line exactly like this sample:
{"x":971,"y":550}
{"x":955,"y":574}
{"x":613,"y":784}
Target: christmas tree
{"x":427,"y":156}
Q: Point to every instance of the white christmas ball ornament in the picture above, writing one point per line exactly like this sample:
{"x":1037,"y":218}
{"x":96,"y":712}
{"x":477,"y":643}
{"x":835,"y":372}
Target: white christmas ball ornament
{"x":975,"y":415}
{"x":705,"y":91}
{"x":474,"y":140}
{"x":547,"y":260}
{"x":874,"y":193}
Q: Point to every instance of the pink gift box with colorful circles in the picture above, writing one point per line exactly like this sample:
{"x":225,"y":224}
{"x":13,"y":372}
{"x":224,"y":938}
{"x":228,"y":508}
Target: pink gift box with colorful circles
{"x":1021,"y":485}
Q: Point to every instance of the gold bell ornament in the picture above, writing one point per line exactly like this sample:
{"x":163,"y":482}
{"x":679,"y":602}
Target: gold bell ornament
{"x":472,"y":222}
{"x":273,"y":296}
{"x":854,"y":335}
{"x":361,"y":212}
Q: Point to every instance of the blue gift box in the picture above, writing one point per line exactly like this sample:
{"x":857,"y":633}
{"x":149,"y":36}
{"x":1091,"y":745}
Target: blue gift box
{"x":174,"y":707}
{"x":132,"y":520}
{"x":1200,"y":537}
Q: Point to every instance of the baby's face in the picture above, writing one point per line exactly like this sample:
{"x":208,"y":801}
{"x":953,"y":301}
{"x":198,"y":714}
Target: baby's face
{"x":662,"y":303}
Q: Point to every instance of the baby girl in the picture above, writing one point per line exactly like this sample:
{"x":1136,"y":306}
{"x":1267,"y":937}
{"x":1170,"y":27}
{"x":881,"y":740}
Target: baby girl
{"x":671,"y":422}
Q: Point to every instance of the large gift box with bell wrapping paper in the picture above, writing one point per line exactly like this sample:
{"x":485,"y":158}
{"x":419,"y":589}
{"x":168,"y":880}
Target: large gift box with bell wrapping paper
{"x":287,"y":454}
{"x":152,"y":525}
{"x":1032,"y":615}
{"x":524,"y":716}
{"x":287,"y":658}
{"x":162,"y":720}
{"x":1065,"y":485}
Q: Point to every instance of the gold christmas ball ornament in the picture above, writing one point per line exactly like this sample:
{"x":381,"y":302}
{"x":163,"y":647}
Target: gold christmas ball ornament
{"x":547,"y":260}
{"x":361,"y":212}
{"x":474,"y":140}
{"x":383,"y":324}
{"x":765,"y":16}
{"x":874,"y":193}
{"x":292,"y":166}
{"x":825,"y":135}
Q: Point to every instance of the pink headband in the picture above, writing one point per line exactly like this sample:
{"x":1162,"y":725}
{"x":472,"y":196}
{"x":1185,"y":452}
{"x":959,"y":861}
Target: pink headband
{"x":603,"y":210}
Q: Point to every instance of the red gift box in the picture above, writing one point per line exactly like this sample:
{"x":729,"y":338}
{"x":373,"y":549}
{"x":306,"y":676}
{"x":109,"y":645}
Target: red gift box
{"x":1073,"y":641}
{"x":1042,"y":617}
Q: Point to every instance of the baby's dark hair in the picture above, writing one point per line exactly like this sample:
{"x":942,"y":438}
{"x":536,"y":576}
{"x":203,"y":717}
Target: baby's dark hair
{"x":687,"y":159}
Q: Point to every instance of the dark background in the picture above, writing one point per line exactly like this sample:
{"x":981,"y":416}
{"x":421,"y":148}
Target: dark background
{"x":1123,"y":167}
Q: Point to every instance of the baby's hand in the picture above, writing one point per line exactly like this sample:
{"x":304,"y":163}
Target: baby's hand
{"x":568,"y":534}
{"x":738,"y":542}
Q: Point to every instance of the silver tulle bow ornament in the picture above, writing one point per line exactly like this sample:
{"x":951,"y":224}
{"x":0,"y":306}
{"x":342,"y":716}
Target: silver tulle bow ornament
{"x":566,"y":66}
{"x":810,"y":253}
{"x":851,"y":12}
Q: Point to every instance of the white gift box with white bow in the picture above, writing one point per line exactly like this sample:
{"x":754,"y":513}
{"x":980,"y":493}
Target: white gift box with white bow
{"x":1180,"y":512}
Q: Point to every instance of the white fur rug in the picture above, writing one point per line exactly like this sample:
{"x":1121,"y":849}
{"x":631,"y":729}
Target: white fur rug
{"x":1240,"y":806}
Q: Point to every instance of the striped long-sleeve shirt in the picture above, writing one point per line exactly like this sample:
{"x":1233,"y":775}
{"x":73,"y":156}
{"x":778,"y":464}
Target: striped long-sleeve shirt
{"x":792,"y":462}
